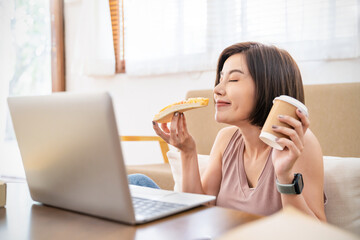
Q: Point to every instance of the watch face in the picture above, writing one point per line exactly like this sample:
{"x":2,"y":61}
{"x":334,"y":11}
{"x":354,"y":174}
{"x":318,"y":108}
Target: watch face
{"x":295,"y":188}
{"x":299,"y":184}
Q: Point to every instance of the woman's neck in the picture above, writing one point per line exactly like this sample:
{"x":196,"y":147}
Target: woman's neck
{"x":254,"y":147}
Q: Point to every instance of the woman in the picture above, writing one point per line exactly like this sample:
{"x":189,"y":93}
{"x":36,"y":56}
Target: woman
{"x":243,"y":170}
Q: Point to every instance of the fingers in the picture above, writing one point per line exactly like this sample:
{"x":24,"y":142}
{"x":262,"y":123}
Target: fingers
{"x":296,"y":133}
{"x":297,"y":125}
{"x":180,"y":124}
{"x":304,"y":119}
{"x":165,"y":128}
{"x":177,"y":135}
{"x":169,"y":135}
{"x":300,"y":126}
{"x":184,"y":126}
{"x":174,"y":126}
{"x":293,"y":135}
{"x":290,"y":145}
{"x":160,"y":133}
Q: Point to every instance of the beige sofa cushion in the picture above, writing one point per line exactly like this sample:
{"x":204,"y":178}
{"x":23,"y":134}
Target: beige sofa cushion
{"x":342,"y":187}
{"x":335,"y":116}
{"x":175,"y":163}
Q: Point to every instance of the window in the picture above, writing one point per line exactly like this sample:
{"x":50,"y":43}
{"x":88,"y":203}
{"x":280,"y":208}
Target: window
{"x":25,"y":65}
{"x":117,"y":22}
{"x":165,"y":36}
{"x":168,"y":36}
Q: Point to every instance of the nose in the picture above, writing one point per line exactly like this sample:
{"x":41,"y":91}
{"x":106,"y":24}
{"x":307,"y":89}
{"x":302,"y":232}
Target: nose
{"x":219,"y":89}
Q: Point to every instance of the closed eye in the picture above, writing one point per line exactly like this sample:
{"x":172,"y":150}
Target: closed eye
{"x":234,"y":80}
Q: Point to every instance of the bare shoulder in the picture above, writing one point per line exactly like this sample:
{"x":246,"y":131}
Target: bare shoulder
{"x":312,"y":144}
{"x":310,"y":137}
{"x":222,"y":139}
{"x":225,"y":134}
{"x":211,"y":179}
{"x":312,"y":153}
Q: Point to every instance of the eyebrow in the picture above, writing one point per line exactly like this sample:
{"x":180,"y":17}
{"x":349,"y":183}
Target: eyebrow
{"x":234,"y":70}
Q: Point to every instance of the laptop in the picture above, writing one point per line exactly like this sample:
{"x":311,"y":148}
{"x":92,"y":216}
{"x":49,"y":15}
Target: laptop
{"x":71,"y":152}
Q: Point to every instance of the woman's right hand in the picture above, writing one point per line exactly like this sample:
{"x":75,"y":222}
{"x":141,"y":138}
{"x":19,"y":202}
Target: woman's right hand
{"x":178,"y":135}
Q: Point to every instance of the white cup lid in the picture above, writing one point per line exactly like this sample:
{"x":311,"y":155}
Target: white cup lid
{"x":270,"y":140}
{"x":295,"y":102}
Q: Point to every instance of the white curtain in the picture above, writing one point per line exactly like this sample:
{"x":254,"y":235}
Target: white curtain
{"x":167,"y":36}
{"x":94,"y":49}
{"x":7,"y":59}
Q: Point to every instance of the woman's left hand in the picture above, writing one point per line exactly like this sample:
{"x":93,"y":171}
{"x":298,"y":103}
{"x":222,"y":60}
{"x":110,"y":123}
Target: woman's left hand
{"x":284,"y":160}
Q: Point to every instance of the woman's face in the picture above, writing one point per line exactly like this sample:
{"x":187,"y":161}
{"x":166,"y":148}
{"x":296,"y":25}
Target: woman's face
{"x":235,"y":94}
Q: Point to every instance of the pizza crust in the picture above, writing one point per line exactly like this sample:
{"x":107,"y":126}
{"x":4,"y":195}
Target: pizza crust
{"x":166,"y":114}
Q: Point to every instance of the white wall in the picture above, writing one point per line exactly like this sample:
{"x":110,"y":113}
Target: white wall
{"x":137,"y":99}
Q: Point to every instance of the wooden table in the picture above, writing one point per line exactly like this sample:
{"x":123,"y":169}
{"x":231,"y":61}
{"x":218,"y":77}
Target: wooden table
{"x":23,"y":218}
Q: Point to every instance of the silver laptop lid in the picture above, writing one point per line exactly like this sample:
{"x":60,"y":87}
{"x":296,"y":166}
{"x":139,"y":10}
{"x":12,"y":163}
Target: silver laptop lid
{"x":71,"y":153}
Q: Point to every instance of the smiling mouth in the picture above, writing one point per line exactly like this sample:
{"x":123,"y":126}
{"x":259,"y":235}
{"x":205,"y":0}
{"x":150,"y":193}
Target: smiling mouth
{"x":222,"y":104}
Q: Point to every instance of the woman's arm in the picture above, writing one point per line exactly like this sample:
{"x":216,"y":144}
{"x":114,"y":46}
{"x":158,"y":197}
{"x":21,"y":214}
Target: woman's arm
{"x":310,"y":165}
{"x":211,"y":179}
{"x":179,"y":137}
{"x":302,"y":154}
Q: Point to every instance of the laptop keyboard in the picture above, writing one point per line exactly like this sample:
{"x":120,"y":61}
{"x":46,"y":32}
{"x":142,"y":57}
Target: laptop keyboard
{"x":147,"y":207}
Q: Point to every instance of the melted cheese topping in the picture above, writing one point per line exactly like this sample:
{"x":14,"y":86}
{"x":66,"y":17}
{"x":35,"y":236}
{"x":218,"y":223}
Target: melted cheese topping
{"x":201,"y":100}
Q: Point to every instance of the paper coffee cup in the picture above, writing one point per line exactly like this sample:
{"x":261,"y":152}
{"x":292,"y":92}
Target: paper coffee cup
{"x":282,"y":105}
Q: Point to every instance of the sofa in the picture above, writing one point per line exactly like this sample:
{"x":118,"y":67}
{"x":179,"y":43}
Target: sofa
{"x":334,"y":111}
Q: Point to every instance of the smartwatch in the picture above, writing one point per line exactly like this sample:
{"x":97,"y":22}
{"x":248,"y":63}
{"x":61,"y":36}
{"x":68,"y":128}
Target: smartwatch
{"x":295,"y":187}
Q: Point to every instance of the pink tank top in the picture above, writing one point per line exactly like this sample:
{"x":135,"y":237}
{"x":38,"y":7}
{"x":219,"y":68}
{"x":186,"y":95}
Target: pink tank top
{"x":235,"y":192}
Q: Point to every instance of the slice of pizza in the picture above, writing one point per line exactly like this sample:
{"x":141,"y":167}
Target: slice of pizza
{"x":165,"y":115}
